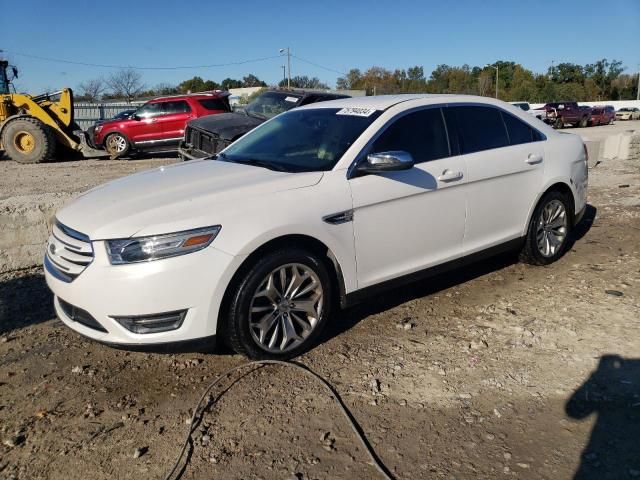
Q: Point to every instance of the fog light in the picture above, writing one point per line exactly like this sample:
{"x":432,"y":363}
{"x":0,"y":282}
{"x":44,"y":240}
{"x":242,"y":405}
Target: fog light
{"x":160,"y":322}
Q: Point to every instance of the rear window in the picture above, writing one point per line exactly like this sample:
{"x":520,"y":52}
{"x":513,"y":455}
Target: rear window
{"x":480,"y":128}
{"x":519,"y":132}
{"x":215,"y":104}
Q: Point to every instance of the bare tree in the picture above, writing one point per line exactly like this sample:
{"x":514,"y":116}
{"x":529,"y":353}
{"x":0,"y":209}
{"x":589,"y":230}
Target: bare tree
{"x":126,"y":83}
{"x":92,"y":90}
{"x":484,"y":84}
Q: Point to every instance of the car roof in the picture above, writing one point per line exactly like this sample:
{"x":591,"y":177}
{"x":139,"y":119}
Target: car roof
{"x":384,"y":102}
{"x":211,"y":94}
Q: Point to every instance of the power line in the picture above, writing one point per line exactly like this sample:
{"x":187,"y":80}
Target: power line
{"x":318,"y":65}
{"x":181,"y":67}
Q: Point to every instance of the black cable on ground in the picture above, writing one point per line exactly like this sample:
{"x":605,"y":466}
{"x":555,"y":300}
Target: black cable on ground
{"x":377,"y":463}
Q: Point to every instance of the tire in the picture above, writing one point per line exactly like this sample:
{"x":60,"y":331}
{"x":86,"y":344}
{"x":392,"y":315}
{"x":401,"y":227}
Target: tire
{"x":584,"y":121}
{"x":253,"y":301}
{"x":558,"y":124}
{"x":28,"y":140}
{"x":116,"y":145}
{"x":538,"y":248}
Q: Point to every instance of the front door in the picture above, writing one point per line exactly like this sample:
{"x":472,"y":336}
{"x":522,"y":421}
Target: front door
{"x":144,"y":127}
{"x":409,"y":220}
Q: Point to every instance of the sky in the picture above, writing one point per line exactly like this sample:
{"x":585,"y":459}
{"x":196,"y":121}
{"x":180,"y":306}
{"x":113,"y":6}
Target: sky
{"x":336,"y":35}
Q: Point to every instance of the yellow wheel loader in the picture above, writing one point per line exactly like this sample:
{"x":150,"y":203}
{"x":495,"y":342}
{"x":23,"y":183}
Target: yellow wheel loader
{"x":34,"y":128}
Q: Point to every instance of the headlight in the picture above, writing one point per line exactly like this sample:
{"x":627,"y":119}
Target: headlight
{"x":98,"y":128}
{"x":144,"y":249}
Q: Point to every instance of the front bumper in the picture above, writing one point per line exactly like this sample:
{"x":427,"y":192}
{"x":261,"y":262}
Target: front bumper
{"x":195,"y":282}
{"x":186,"y":152}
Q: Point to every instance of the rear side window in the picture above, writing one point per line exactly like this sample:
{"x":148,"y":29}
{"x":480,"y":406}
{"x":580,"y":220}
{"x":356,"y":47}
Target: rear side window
{"x":215,"y":104}
{"x":479,"y":128}
{"x":176,"y":106}
{"x":422,"y":134}
{"x":519,"y":132}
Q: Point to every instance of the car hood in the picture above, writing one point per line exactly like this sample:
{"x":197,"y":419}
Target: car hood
{"x":174,"y":198}
{"x":227,"y":125}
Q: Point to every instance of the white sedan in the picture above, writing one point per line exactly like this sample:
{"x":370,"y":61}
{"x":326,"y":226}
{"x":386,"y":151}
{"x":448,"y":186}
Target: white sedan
{"x":628,"y":113}
{"x":315,"y":209}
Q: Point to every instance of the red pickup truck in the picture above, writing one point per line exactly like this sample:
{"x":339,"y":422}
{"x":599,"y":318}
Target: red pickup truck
{"x":560,"y":114}
{"x":158,"y":124}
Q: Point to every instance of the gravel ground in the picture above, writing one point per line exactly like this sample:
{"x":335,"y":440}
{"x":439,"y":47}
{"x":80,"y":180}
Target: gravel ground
{"x":499,"y":371}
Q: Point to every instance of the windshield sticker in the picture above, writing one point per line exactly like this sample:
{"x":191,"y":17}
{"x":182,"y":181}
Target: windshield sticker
{"x":291,"y":99}
{"x":358,"y":112}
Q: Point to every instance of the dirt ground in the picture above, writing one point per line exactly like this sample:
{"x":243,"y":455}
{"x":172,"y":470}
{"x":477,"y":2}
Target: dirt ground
{"x":502,"y":370}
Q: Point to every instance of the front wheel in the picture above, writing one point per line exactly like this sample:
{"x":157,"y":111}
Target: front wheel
{"x":584,"y":121}
{"x":558,"y":124}
{"x":548,"y":231}
{"x":279,"y":306}
{"x":116,"y":145}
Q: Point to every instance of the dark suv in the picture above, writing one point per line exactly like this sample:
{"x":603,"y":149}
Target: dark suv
{"x":158,"y":124}
{"x":209,"y":135}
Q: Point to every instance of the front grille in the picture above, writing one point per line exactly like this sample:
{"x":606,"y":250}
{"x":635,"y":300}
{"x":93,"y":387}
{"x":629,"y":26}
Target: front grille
{"x":68,"y":253}
{"x":81,"y":316}
{"x":207,"y":142}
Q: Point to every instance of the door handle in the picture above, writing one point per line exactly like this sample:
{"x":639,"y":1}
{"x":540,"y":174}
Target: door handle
{"x":449,"y":176}
{"x":534,"y":159}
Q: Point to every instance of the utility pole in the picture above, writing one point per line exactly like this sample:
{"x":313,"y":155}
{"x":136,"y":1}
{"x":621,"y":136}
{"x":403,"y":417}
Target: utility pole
{"x":282,"y":50}
{"x":284,"y":73}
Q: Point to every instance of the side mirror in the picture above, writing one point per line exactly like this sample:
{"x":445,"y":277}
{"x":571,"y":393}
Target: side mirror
{"x":386,"y":162}
{"x":133,"y":116}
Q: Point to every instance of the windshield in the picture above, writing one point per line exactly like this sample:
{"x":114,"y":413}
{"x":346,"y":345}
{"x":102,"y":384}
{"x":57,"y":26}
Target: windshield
{"x":4,"y":81}
{"x":300,"y":140}
{"x":270,"y":104}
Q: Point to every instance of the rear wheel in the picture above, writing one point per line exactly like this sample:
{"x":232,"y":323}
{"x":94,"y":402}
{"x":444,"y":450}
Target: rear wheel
{"x":116,"y":145}
{"x":584,"y":121}
{"x":549,"y":230}
{"x":28,"y":140}
{"x":279,"y":306}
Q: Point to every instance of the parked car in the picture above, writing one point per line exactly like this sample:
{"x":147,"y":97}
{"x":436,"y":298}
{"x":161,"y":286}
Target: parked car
{"x":628,"y":113}
{"x":560,"y":114}
{"x":158,"y":124}
{"x":539,"y":114}
{"x":259,"y":246}
{"x":603,"y":115}
{"x":209,"y":135}
{"x":123,"y":115}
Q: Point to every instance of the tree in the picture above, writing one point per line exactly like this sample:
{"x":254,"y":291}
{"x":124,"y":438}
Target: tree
{"x":252,"y":81}
{"x":197,"y":84}
{"x":92,"y":90}
{"x":164,"y":88}
{"x":303,"y":81}
{"x":350,"y":81}
{"x":228,"y":83}
{"x":126,"y":83}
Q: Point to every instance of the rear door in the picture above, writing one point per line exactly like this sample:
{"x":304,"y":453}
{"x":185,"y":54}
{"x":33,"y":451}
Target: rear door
{"x":176,"y":114}
{"x":505,"y":162}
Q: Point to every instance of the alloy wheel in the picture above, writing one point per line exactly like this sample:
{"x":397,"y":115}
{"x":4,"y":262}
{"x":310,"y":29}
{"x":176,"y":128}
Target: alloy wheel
{"x":116,"y":143}
{"x":551,"y":231}
{"x":286,"y":308}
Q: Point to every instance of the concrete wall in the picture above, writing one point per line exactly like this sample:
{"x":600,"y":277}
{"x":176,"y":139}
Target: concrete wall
{"x":615,"y":103}
{"x":24,"y":228}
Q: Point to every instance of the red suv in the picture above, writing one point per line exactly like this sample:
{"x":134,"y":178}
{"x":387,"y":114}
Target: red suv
{"x":158,"y":124}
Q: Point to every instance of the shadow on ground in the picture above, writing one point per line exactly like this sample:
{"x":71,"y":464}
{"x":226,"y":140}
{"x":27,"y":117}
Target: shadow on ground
{"x":612,"y":394}
{"x":397,"y":296}
{"x":24,"y":301}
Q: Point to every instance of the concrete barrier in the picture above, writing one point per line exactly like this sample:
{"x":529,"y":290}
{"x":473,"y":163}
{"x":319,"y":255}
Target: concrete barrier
{"x":622,"y":146}
{"x":24,"y":228}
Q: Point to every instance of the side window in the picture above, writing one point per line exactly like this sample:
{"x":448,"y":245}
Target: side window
{"x":149,"y":110}
{"x":480,"y":128}
{"x":177,"y":106}
{"x":420,"y":133}
{"x":519,"y":132}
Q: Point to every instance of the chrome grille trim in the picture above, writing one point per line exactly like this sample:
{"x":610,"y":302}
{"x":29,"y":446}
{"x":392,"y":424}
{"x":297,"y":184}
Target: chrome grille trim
{"x":68,"y":252}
